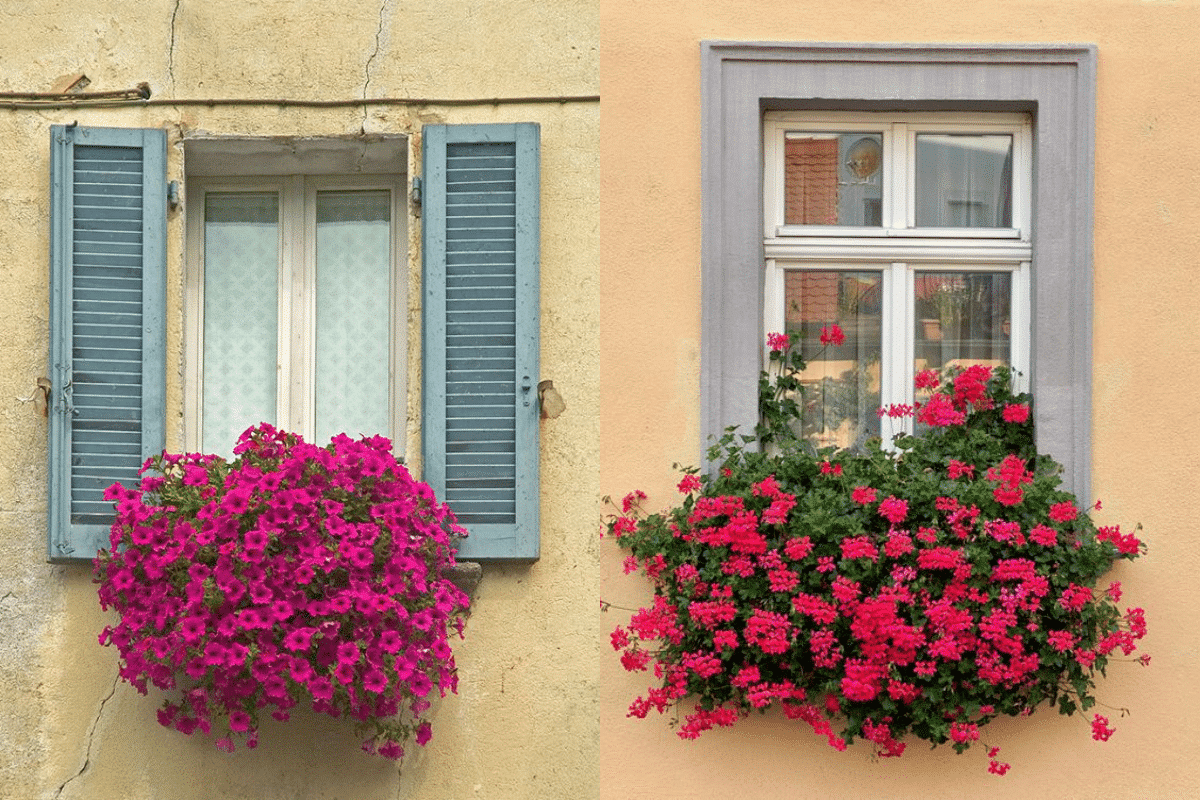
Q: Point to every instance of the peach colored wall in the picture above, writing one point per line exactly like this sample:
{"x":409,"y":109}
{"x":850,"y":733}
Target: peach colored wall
{"x":1146,"y":343}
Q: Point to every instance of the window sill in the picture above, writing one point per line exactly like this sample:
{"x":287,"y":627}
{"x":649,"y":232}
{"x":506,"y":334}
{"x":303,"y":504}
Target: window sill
{"x":466,"y":576}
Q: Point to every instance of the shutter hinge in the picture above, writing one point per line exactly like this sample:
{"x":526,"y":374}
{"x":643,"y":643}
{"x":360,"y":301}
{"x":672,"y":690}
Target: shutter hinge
{"x":415,"y":195}
{"x":173,"y":195}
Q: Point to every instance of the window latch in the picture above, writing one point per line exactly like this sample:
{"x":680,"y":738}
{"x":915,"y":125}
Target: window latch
{"x":526,"y":390}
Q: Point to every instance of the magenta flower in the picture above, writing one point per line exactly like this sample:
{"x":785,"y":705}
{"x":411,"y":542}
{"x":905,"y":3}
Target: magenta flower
{"x":1016,"y":412}
{"x":778,"y":342}
{"x":832,"y":334}
{"x":863,"y":495}
{"x":1063,"y":512}
{"x":375,"y":681}
{"x":893,"y":509}
{"x":251,"y":576}
{"x":1100,"y":730}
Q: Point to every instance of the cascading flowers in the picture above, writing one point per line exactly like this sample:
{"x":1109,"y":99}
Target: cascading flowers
{"x":293,"y":573}
{"x":923,"y":591}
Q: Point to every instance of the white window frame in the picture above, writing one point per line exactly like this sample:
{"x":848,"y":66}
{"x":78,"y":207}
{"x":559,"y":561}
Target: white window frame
{"x":899,"y":249}
{"x":900,"y":131}
{"x":296,"y":344}
{"x":1054,"y":83}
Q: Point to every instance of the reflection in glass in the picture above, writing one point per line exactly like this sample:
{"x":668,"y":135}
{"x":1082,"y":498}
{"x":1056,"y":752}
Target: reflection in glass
{"x":833,"y":179}
{"x":354,"y":280}
{"x":241,"y":268}
{"x":963,"y":318}
{"x":842,"y":382}
{"x":964,"y":180}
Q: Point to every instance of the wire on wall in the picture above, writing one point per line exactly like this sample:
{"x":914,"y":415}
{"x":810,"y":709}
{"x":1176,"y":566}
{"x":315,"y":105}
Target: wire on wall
{"x":141,"y":96}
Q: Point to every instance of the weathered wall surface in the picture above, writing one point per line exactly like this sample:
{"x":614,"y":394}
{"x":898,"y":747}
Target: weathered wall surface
{"x":524,"y":723}
{"x":1145,"y":463}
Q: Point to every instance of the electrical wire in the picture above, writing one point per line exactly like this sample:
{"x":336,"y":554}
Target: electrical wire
{"x":140,"y":96}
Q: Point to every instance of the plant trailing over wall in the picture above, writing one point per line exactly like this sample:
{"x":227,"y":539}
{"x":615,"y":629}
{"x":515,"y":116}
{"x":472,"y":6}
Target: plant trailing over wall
{"x":294,"y":573}
{"x":922,"y":591}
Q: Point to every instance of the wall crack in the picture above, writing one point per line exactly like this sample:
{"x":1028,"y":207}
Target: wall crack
{"x":383,"y":7}
{"x":171,"y":48}
{"x":87,"y":756}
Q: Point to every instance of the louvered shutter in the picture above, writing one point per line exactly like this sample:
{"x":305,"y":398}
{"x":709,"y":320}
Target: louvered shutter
{"x":107,"y":324}
{"x":480,"y":218}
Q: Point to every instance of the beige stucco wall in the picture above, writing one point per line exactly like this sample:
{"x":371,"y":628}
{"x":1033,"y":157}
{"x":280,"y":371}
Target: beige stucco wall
{"x":1145,"y":443}
{"x":525,"y":721}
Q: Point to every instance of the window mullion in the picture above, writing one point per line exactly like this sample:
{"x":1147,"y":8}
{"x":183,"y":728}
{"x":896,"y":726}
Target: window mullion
{"x":294,"y":311}
{"x":399,"y":305}
{"x":193,"y":300}
{"x":897,"y":172}
{"x":897,"y":347}
{"x":773,"y":178}
{"x":1022,"y":176}
{"x":774,"y":303}
{"x":1020,"y":327}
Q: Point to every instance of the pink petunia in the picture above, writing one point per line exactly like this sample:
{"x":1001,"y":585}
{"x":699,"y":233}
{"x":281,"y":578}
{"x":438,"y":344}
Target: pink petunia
{"x":194,"y":475}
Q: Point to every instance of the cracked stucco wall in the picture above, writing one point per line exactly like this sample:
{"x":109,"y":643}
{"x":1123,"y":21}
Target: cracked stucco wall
{"x":524,"y":724}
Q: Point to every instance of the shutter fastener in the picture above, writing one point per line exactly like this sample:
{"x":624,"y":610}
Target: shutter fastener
{"x":550,"y":400}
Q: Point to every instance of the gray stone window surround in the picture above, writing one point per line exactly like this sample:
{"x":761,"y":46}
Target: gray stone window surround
{"x":1054,"y":83}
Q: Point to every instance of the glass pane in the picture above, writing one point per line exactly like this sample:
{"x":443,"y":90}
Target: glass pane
{"x":833,"y":179}
{"x":841,"y":381}
{"x":963,"y":318}
{"x":354,"y":290}
{"x":964,"y":180}
{"x":241,"y":307}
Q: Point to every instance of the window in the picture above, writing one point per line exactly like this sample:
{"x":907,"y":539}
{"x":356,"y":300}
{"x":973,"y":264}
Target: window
{"x":297,"y":305}
{"x":909,"y":231}
{"x":1052,"y":86}
{"x":297,"y":311}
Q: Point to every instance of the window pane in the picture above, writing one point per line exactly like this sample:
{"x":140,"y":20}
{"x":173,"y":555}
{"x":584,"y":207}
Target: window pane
{"x":354,"y":290}
{"x":841,"y":381}
{"x":963,"y":318}
{"x":964,"y":181}
{"x":833,"y":179}
{"x":241,"y":266}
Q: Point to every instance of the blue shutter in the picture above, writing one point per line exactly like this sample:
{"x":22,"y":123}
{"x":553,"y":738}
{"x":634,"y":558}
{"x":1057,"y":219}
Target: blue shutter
{"x":480,"y":218}
{"x":107,"y":324}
